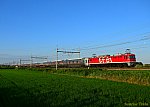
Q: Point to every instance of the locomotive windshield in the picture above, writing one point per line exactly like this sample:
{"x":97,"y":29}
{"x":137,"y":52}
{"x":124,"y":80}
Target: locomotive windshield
{"x":132,"y":57}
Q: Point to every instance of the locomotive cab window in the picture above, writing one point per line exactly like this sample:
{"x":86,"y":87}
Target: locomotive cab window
{"x":131,"y":57}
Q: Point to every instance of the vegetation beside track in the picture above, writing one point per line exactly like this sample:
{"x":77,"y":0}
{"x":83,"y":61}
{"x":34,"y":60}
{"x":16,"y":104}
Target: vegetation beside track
{"x":141,"y":77}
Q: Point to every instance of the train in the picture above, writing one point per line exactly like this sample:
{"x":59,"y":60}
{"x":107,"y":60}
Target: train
{"x":119,"y":60}
{"x":127,"y":59}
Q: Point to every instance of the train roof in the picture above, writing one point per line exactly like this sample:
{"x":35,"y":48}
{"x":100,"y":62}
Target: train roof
{"x":103,"y":55}
{"x":118,"y":54}
{"x":74,"y":59}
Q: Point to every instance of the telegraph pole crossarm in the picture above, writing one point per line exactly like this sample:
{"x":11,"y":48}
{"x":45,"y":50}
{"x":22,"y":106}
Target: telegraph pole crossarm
{"x":68,"y":51}
{"x":60,"y":51}
{"x":39,"y":57}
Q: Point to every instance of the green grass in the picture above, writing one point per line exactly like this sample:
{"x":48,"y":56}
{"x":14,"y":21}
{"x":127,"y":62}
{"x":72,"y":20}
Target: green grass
{"x":25,"y":88}
{"x":141,"y":77}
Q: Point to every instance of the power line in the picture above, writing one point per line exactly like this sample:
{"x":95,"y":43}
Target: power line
{"x":61,"y":51}
{"x":114,"y":42}
{"x":117,"y":44}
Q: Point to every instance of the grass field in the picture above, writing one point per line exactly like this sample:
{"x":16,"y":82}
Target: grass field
{"x":25,"y":88}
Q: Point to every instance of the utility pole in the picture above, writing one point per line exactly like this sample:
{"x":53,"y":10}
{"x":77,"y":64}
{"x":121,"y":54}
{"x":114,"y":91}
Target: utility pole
{"x":25,"y":61}
{"x":31,"y":62}
{"x":56,"y":58}
{"x":37,"y":57}
{"x":20,"y":62}
{"x":79,"y":52}
{"x":57,"y":51}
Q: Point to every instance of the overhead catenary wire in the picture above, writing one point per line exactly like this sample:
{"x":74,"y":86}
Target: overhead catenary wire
{"x":144,"y":38}
{"x":101,"y":49}
{"x":114,"y":43}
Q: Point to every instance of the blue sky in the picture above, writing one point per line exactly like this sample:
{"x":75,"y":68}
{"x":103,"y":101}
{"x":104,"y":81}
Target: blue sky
{"x":38,"y":27}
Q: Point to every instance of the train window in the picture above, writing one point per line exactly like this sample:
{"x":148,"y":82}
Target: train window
{"x":85,"y":61}
{"x":131,"y":57}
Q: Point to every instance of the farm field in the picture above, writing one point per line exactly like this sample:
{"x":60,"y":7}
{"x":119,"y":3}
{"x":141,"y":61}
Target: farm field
{"x":31,"y":88}
{"x":135,"y":76}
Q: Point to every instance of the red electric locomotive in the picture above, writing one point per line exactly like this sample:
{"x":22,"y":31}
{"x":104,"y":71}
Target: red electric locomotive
{"x":119,"y":60}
